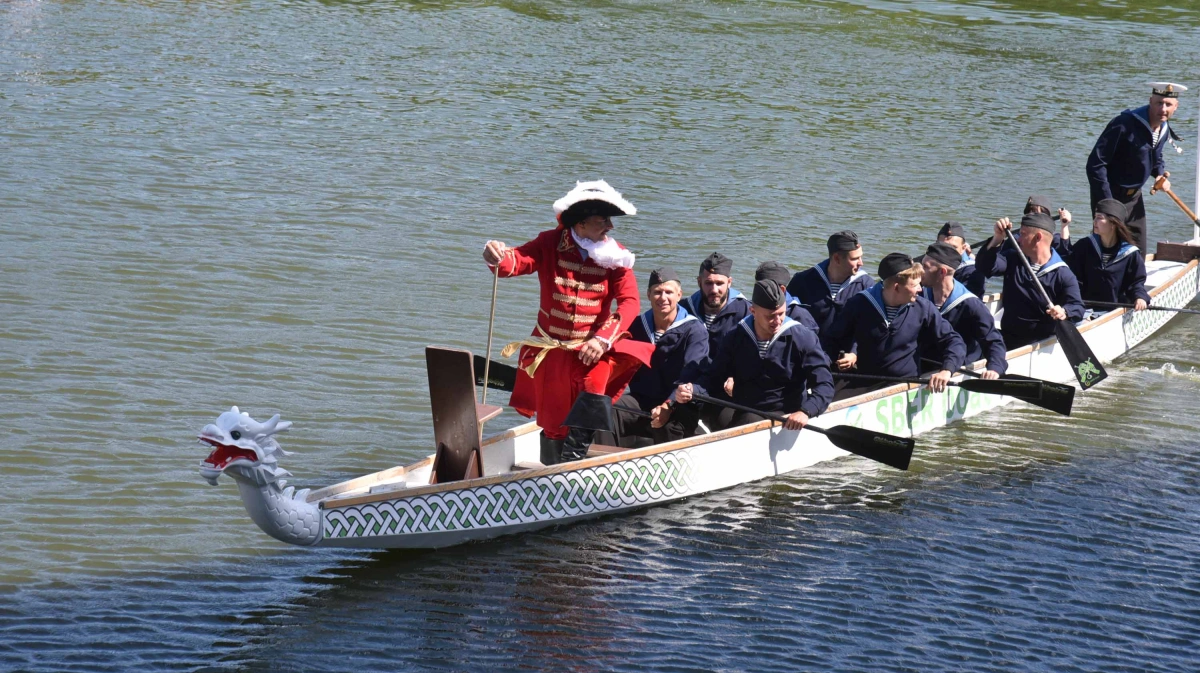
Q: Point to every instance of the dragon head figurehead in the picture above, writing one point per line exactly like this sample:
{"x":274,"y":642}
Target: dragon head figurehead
{"x":243,"y":447}
{"x":246,"y":450}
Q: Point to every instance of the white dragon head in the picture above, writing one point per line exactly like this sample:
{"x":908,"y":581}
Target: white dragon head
{"x":243,"y":447}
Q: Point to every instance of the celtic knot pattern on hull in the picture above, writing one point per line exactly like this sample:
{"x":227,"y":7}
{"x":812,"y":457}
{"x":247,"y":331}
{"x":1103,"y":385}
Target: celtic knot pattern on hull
{"x":617,"y":485}
{"x":1140,"y":324}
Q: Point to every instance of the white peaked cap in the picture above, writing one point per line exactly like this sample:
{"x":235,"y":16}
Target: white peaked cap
{"x":597,"y":190}
{"x":1161,"y":88}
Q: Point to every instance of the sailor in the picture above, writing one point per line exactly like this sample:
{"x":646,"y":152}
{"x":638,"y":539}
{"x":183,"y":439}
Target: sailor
{"x":795,"y":310}
{"x":885,"y":330}
{"x":680,"y":346}
{"x":1130,"y":151}
{"x":965,"y":312}
{"x":776,"y":363}
{"x":716,"y":303}
{"x":953,"y":234}
{"x":825,"y":288}
{"x":576,"y":361}
{"x":1026,"y":317}
{"x":1107,"y":264}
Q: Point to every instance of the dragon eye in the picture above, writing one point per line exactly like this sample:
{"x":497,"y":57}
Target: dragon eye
{"x":235,"y":434}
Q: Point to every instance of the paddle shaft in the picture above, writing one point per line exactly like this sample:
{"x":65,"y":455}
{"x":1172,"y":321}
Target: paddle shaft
{"x":1110,"y":304}
{"x":487,"y":363}
{"x":1187,"y":211}
{"x":1028,"y":267}
{"x":888,"y":379}
{"x":750,"y":410}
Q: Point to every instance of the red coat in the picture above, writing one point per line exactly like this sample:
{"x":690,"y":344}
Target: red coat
{"x":576,"y":304}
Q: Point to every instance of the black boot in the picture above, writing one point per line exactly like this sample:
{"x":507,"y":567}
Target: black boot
{"x":551,"y":450}
{"x":576,"y":445}
{"x":591,"y":412}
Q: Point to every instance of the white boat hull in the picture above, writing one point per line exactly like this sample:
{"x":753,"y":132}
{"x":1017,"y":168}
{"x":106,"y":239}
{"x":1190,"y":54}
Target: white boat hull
{"x":398,"y":509}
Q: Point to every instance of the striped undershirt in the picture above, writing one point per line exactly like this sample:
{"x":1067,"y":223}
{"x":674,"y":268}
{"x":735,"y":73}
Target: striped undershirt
{"x":835,"y":288}
{"x":762,"y":347}
{"x":891,"y":312}
{"x":708,"y":318}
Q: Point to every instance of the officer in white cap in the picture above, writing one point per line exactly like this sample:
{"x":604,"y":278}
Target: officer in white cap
{"x":1130,"y":151}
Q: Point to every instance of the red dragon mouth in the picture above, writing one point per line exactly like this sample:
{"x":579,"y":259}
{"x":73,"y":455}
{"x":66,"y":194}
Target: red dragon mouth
{"x":225,"y":454}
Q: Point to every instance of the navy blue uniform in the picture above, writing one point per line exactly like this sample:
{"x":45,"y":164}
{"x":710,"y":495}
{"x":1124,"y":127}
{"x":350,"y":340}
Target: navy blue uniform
{"x":894,"y":348}
{"x":1123,"y":158}
{"x":970,"y":317}
{"x":970,"y":276}
{"x":1025,"y":319}
{"x":797,"y":312}
{"x":1122,"y":280}
{"x":793,"y":374}
{"x":678,"y":353}
{"x":737,"y":306}
{"x":813,"y":290}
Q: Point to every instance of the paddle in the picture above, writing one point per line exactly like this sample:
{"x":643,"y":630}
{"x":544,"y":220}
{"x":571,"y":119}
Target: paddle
{"x":878,"y":446}
{"x":1186,"y":211}
{"x":1109,"y":304}
{"x":500,"y":376}
{"x":1026,"y":390}
{"x":1087,"y":367}
{"x":1056,"y":397}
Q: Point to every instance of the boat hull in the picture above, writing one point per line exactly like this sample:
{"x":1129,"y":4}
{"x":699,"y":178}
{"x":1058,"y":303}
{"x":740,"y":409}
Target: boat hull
{"x":408,"y":514}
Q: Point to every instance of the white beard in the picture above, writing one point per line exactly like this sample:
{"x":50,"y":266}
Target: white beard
{"x":606,"y":253}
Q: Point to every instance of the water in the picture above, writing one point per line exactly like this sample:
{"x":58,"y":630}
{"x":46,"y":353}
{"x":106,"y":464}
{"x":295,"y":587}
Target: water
{"x":278,"y":205}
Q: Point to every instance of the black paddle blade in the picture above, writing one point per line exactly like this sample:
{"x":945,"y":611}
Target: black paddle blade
{"x":1087,"y":367}
{"x":888,"y":449}
{"x":1028,"y":390}
{"x":500,"y":376}
{"x":1056,"y":397}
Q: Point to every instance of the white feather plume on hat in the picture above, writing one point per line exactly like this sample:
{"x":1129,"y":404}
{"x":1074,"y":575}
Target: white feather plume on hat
{"x":596,"y":190}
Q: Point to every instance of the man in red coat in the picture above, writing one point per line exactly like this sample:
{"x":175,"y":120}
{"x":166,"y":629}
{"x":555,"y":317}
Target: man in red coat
{"x":577,"y":361}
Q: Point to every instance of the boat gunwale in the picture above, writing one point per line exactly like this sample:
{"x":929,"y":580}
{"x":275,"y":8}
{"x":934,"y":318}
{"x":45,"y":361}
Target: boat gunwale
{"x":324,"y":501}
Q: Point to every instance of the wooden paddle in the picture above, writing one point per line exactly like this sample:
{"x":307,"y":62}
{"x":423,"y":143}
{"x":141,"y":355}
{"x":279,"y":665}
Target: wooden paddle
{"x":1187,"y":211}
{"x":1026,"y":390}
{"x":878,"y":446}
{"x":1087,"y":367}
{"x":500,"y":376}
{"x":1109,"y":304}
{"x":1056,"y":397}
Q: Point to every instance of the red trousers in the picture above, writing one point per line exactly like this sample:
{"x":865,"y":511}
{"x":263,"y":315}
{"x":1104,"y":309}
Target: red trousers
{"x":560,"y":379}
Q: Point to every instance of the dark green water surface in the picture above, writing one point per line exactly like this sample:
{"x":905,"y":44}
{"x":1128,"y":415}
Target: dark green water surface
{"x":279,"y":204}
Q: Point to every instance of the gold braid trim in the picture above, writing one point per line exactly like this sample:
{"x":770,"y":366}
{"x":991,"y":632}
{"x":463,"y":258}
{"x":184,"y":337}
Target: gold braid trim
{"x":580,"y":268}
{"x":571,"y":282}
{"x":567,"y":299}
{"x":583,"y":319}
{"x":544,"y":343}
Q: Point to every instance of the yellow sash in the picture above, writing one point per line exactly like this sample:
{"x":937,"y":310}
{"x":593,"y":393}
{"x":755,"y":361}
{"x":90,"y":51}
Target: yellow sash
{"x":544,"y":343}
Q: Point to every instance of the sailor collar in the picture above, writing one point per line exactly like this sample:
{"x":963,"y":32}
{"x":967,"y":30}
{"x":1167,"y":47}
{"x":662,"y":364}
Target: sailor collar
{"x":696,"y":301}
{"x":875,"y":296}
{"x":1051,"y":264}
{"x":1142,"y":114}
{"x":958,"y":295}
{"x":681,"y":316}
{"x":1123,"y":251}
{"x":823,"y":271}
{"x":967,"y":260}
{"x":747,"y":324}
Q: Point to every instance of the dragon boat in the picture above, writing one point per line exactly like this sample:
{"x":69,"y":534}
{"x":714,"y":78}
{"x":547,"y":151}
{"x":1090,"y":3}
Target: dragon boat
{"x":477,"y":488}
